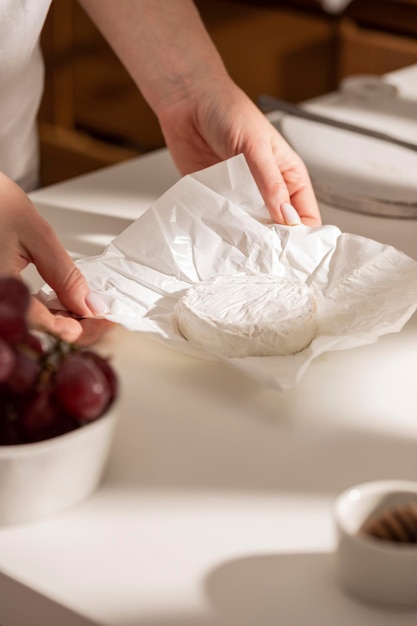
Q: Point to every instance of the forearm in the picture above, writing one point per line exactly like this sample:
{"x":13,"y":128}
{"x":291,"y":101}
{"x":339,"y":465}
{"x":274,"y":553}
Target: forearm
{"x":163,"y":45}
{"x":204,"y":116}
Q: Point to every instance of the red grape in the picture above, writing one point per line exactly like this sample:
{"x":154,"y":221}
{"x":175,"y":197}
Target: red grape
{"x":81,"y":388}
{"x":107,"y":370}
{"x":9,"y":432}
{"x":15,"y":294}
{"x":13,"y":327}
{"x":7,"y":360}
{"x":34,"y":344}
{"x":41,"y":419}
{"x":47,"y":386}
{"x":25,"y":373}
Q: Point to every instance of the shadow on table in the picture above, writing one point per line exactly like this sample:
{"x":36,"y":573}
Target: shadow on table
{"x":36,"y":610}
{"x":163,"y":454}
{"x":290,"y":590}
{"x":278,"y":590}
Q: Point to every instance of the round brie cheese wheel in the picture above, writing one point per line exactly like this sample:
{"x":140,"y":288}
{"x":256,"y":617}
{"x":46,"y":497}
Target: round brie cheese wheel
{"x":240,"y":315}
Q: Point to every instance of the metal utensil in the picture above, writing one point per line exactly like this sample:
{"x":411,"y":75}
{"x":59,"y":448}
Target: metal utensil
{"x":267,"y":104}
{"x":325,"y":192}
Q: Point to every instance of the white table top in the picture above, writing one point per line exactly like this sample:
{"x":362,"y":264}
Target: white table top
{"x":216,"y":507}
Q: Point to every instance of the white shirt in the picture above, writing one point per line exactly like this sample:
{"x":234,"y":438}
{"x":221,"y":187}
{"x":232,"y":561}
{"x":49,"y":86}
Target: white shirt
{"x":21,"y":87}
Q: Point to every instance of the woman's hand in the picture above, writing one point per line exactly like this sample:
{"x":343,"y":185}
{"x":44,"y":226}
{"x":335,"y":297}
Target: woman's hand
{"x":204,"y":115}
{"x":217,"y":121}
{"x":25,"y":237}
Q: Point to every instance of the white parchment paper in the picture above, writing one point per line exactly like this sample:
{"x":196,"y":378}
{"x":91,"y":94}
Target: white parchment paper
{"x":215,"y":222}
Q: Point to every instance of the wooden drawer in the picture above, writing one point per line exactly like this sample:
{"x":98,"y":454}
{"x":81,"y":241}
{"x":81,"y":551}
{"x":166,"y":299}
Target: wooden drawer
{"x":366,"y":51}
{"x":93,"y":115}
{"x":391,"y":16}
{"x":270,"y":49}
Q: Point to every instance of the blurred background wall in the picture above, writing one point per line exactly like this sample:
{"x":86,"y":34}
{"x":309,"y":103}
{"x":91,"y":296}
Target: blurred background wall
{"x":92,"y":115}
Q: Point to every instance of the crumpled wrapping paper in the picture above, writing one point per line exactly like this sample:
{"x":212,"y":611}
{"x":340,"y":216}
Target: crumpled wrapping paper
{"x":215,"y":222}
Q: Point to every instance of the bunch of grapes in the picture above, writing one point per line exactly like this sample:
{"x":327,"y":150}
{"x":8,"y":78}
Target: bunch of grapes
{"x":47,"y":386}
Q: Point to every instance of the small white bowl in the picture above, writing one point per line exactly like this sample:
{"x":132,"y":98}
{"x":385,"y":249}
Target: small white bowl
{"x":41,"y":479}
{"x":375,"y":570}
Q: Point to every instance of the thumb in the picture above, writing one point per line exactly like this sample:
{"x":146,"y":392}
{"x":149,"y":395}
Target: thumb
{"x":58,"y":269}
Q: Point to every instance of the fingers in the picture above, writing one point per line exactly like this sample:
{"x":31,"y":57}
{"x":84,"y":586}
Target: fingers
{"x":57,"y":268}
{"x":28,"y":238}
{"x":43,"y":319}
{"x":69,"y":284}
{"x":303,"y":198}
{"x":285,"y":185}
{"x":279,"y":172}
{"x":305,"y":203}
{"x":83,"y":332}
{"x":93,"y":329}
{"x":271,"y":184}
{"x":286,"y":202}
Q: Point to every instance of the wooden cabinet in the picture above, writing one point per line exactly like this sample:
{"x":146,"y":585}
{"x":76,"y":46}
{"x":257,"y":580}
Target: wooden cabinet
{"x":365,"y":50}
{"x":385,"y":16}
{"x":93,"y":115}
{"x":79,"y":79}
{"x":273,"y":49}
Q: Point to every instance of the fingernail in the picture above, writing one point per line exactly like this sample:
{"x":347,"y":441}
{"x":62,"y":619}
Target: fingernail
{"x":96,"y":304}
{"x":290,"y":214}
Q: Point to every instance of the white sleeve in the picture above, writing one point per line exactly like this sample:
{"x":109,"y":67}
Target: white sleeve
{"x":21,"y":78}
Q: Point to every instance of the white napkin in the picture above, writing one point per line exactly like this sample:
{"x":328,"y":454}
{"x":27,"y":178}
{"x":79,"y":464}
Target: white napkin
{"x":215,"y":222}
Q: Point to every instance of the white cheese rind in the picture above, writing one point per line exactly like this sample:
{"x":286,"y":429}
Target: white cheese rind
{"x":242,"y":315}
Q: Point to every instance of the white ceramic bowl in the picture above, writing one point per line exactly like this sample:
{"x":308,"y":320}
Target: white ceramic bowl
{"x":41,"y":479}
{"x":375,"y":570}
